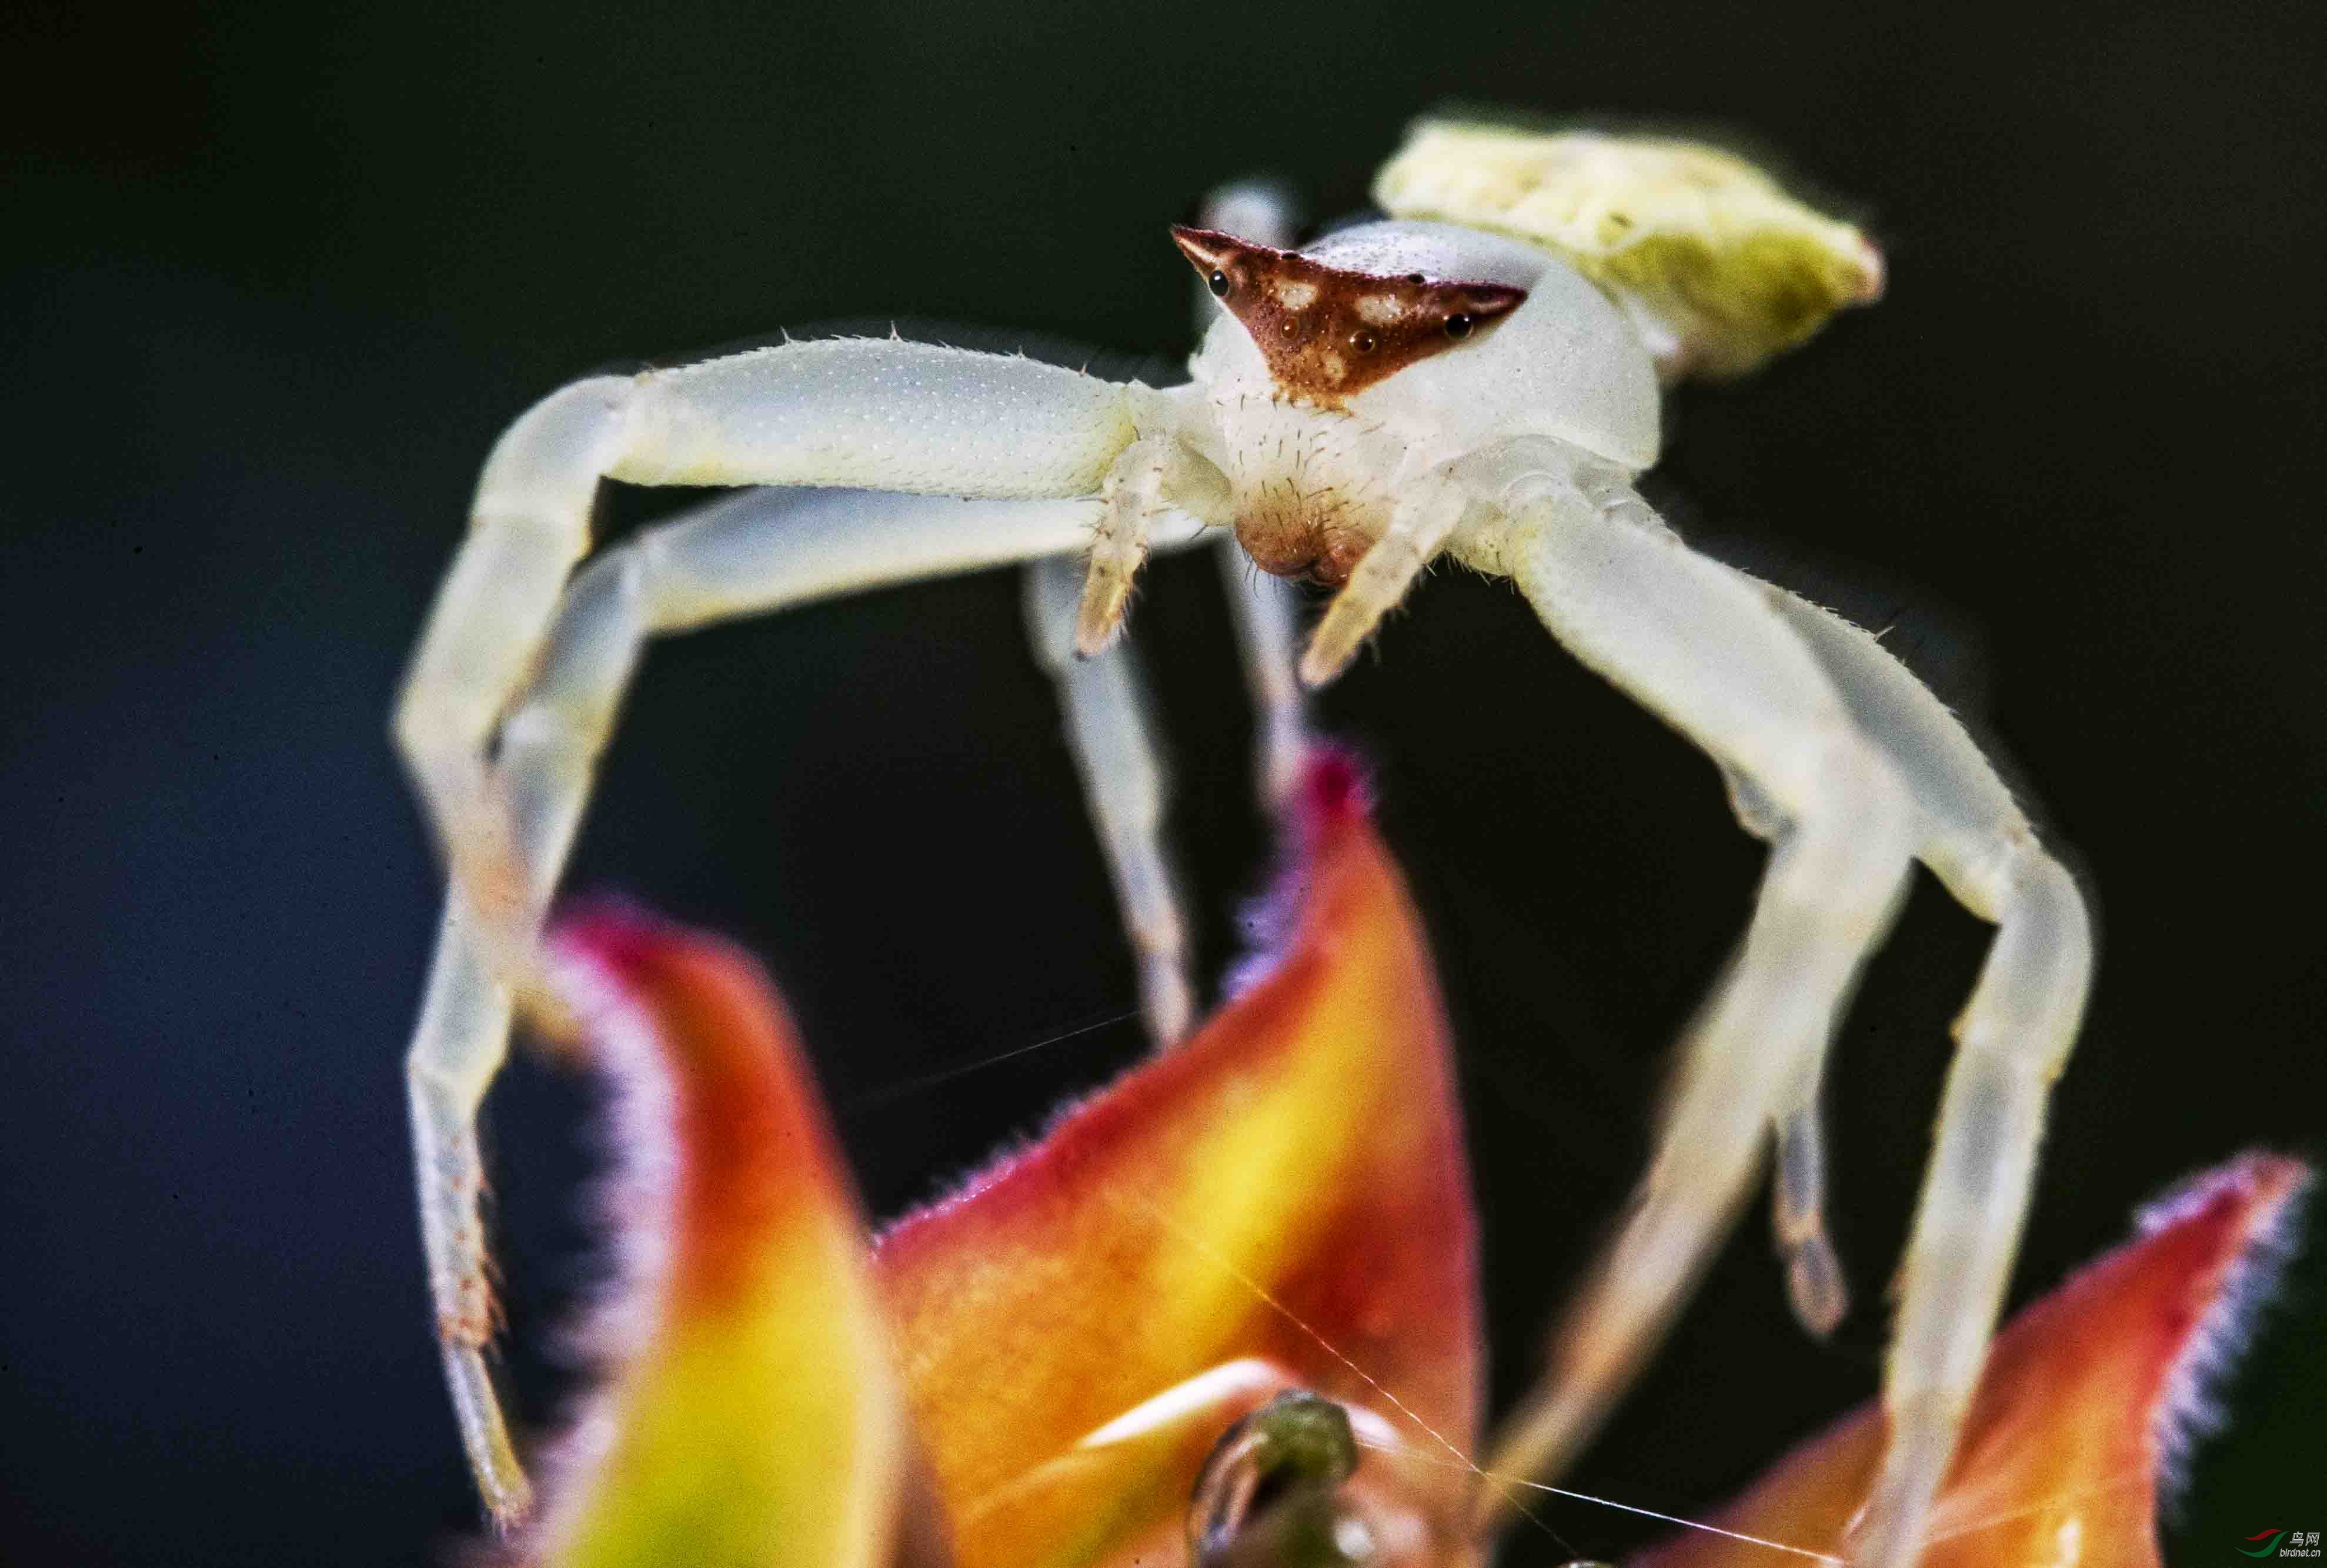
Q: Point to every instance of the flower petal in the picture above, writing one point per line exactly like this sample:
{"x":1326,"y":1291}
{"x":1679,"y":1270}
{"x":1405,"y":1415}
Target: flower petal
{"x":2080,"y":1412}
{"x":1287,"y":1190}
{"x":754,"y":1416}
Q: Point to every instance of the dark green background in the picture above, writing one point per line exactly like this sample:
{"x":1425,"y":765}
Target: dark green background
{"x":274,"y":279}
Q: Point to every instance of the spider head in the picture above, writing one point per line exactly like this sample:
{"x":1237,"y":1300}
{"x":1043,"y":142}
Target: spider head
{"x":1328,"y":332}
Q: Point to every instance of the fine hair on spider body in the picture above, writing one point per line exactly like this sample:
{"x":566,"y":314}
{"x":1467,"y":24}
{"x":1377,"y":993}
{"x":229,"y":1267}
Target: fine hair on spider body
{"x":1477,"y":377}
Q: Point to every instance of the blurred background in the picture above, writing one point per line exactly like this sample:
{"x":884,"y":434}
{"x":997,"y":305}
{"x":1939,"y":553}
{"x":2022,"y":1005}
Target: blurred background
{"x":275,"y":278}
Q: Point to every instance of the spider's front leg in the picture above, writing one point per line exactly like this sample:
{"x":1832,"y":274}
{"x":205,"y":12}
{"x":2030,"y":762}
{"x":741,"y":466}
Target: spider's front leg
{"x":880,"y":414}
{"x":752,"y":552}
{"x":1852,"y":768}
{"x":1149,"y":470}
{"x":897,"y":415}
{"x":1112,"y":736}
{"x":1421,"y":522}
{"x":1702,"y":649}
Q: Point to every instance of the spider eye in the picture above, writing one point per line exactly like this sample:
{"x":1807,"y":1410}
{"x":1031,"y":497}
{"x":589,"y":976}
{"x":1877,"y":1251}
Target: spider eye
{"x":1219,"y":282}
{"x":1363,"y":341}
{"x":1458,"y":327}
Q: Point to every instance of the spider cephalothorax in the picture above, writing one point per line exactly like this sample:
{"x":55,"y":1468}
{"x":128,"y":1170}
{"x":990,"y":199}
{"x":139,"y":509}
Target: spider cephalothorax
{"x":1475,"y":378}
{"x":1329,"y":331}
{"x":1309,"y":479}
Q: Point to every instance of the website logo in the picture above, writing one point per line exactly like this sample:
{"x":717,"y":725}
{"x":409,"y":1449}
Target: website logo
{"x":2283,"y":1544}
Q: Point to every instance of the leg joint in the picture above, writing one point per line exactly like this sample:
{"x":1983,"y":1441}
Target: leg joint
{"x":546,"y":466}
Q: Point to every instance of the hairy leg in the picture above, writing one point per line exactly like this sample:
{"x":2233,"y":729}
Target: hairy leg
{"x":1420,"y":524}
{"x":1267,"y":611}
{"x":1621,"y":590}
{"x":2013,"y":1041}
{"x":1112,"y":735}
{"x":1152,"y":474}
{"x":757,"y":551}
{"x":1815,"y":1283}
{"x":900,"y":416}
{"x":1704,"y":651}
{"x":457,"y":1048}
{"x":1075,"y":618}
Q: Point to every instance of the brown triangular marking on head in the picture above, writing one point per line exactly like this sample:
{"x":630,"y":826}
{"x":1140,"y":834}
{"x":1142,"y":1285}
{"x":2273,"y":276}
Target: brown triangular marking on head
{"x":1327,"y":332}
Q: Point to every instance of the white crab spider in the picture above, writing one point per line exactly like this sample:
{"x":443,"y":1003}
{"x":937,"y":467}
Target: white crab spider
{"x":1398,"y":392}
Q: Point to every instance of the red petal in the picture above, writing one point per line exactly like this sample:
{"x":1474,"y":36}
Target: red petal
{"x":754,"y":1416}
{"x":2080,"y":1412}
{"x":1288,"y":1187}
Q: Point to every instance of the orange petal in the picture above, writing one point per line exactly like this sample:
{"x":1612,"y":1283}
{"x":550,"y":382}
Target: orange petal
{"x":753,"y":1416}
{"x":2080,"y":1414}
{"x":1287,"y":1190}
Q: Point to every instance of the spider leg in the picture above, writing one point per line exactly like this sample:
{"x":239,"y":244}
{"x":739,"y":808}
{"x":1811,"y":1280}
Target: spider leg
{"x":457,"y":1047}
{"x":1420,"y":524}
{"x":1265,"y":210}
{"x":1702,"y":645}
{"x":1112,"y":735}
{"x":1075,"y":618}
{"x":882,"y":414}
{"x":1814,"y":1284}
{"x":2012,"y":1041}
{"x":1108,"y":722}
{"x":1267,"y":611}
{"x":1133,"y":497}
{"x":757,"y":551}
{"x":1702,"y":648}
